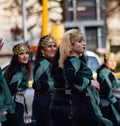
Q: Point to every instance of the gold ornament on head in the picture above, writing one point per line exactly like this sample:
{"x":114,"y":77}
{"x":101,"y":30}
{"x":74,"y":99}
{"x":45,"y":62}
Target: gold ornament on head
{"x":46,"y":40}
{"x":17,"y":49}
{"x":109,"y":56}
{"x":75,"y":36}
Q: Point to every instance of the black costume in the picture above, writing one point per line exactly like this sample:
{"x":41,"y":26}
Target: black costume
{"x":43,"y":86}
{"x":61,"y":101}
{"x":85,"y":102}
{"x":111,"y":105}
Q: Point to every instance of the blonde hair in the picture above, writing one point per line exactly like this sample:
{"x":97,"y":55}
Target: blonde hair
{"x":66,"y":44}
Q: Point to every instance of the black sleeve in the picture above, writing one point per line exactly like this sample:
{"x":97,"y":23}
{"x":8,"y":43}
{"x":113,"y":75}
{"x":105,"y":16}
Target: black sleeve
{"x":104,"y":86}
{"x":70,"y":74}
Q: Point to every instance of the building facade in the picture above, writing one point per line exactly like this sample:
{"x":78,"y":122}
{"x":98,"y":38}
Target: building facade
{"x":90,"y":17}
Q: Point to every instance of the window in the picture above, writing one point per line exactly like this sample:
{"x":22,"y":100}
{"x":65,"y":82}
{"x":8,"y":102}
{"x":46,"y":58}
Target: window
{"x":91,"y":37}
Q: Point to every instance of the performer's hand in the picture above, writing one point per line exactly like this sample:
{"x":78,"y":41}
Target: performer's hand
{"x":95,"y":84}
{"x":5,"y":113}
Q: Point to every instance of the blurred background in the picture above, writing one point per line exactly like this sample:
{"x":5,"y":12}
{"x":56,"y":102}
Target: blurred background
{"x":28,"y":20}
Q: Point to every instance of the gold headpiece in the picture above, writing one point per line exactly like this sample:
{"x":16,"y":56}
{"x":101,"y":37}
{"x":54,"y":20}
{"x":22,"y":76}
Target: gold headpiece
{"x":108,"y":56}
{"x":75,"y":36}
{"x":46,"y":40}
{"x":17,"y":49}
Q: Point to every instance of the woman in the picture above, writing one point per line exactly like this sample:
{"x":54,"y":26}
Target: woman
{"x":43,"y":81}
{"x":5,"y":96}
{"x":61,"y":101}
{"x":108,"y":82}
{"x":85,"y":98}
{"x":17,"y":75}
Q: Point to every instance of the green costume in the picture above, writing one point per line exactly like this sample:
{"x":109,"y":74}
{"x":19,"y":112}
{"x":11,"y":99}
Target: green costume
{"x":18,"y":86}
{"x":6,"y":102}
{"x":108,"y":82}
{"x":80,"y":80}
{"x":41,"y":83}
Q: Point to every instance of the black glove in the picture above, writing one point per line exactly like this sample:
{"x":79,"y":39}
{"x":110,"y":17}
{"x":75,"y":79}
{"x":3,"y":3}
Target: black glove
{"x":117,"y":105}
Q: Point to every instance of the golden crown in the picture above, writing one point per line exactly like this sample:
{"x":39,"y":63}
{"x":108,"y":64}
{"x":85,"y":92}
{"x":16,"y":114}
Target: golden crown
{"x":109,"y":55}
{"x":17,"y":49}
{"x":75,"y":36}
{"x":46,"y":40}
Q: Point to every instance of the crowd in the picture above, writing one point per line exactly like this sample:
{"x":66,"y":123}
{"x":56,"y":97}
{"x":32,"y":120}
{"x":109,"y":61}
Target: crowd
{"x":65,"y":92}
